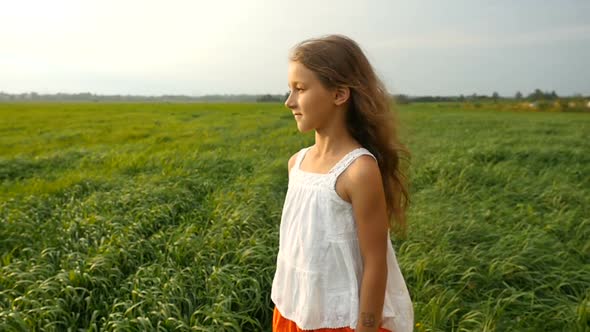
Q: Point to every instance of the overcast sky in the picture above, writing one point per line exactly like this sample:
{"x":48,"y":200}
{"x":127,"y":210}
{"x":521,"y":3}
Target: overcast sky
{"x":207,"y":47}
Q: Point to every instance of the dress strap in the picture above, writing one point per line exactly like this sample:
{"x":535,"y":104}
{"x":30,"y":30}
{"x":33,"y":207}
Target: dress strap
{"x":300,"y":156}
{"x":343,"y":164}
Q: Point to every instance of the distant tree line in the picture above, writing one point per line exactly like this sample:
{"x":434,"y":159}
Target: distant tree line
{"x":268,"y":98}
{"x":86,"y":96}
{"x":536,"y":95}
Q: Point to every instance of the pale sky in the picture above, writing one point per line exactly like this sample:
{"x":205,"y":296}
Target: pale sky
{"x":151,"y":47}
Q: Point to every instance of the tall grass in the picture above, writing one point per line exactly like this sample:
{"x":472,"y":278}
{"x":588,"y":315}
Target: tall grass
{"x":165,"y":217}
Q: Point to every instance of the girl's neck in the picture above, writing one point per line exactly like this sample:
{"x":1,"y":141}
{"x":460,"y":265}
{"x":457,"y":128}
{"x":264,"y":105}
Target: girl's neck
{"x":333,"y":141}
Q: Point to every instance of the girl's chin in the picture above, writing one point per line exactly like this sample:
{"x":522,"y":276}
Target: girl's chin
{"x":302,"y":125}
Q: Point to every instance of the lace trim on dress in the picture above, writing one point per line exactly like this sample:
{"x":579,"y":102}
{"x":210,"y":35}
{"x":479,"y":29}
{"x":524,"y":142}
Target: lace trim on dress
{"x":329,"y":179}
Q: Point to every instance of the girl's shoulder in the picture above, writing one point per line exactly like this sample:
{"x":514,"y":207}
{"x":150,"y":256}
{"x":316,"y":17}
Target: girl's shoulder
{"x":364,"y":166}
{"x":361,"y":175}
{"x":358,"y":162}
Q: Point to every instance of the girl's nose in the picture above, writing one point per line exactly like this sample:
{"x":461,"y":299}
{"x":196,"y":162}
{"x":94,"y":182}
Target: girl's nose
{"x":289,"y":102}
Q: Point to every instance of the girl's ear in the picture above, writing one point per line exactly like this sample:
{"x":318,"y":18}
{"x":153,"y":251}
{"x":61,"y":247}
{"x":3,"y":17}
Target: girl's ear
{"x":341,"y":95}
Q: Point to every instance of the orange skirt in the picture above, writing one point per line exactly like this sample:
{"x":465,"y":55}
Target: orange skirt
{"x":282,"y":324}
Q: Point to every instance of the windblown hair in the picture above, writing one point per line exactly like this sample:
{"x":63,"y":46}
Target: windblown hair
{"x":338,"y":61}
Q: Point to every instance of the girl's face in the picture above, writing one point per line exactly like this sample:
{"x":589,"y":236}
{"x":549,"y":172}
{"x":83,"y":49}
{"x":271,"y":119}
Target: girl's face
{"x":311,"y":103}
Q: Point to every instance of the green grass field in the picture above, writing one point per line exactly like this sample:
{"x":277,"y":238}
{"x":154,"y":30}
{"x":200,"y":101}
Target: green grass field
{"x":136,"y":217}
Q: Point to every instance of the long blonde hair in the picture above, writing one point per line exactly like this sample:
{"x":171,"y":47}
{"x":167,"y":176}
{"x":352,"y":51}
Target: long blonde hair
{"x":338,"y":61}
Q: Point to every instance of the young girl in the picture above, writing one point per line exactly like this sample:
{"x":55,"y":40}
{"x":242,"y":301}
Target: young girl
{"x":336,"y":267}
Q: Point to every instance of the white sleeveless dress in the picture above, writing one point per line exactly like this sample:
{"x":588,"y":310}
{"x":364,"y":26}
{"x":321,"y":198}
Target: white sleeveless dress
{"x":319,"y":264}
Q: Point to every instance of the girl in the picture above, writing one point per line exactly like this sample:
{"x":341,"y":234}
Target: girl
{"x":336,"y":267}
